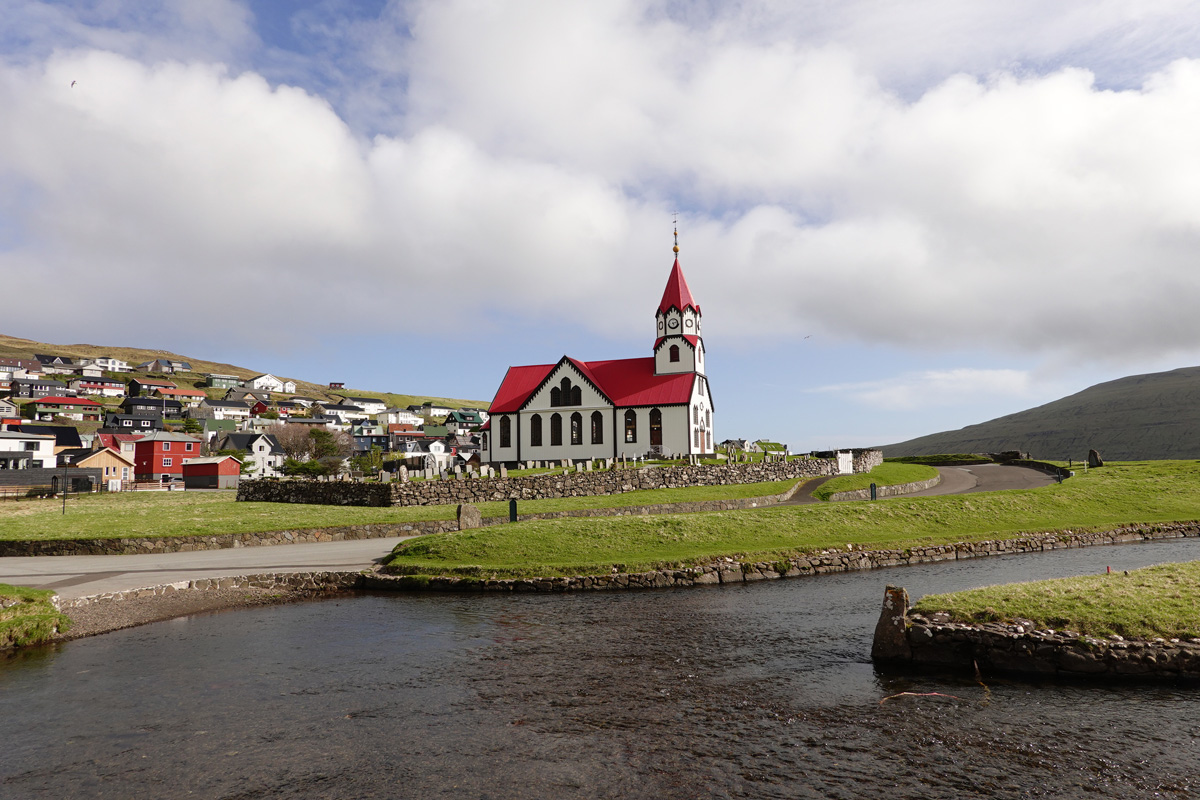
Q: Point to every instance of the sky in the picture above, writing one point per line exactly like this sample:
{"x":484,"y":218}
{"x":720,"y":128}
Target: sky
{"x":897,"y":218}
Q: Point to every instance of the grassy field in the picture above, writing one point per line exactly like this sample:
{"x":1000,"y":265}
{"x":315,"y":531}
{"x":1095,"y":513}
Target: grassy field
{"x":886,"y":474}
{"x":104,"y":516}
{"x":1136,"y":492}
{"x":27,"y":616}
{"x":1145,"y":603}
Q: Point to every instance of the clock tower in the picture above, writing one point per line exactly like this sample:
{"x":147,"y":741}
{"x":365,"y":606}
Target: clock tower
{"x":678,"y":346}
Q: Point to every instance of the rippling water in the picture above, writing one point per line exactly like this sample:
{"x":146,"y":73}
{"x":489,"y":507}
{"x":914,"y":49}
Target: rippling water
{"x":763,"y":690}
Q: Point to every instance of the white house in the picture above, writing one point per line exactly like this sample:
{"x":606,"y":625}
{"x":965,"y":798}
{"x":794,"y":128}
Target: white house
{"x":270,"y":383}
{"x":26,"y":451}
{"x":399,"y":416}
{"x":576,"y":410}
{"x":220,"y":409}
{"x":370,"y":405}
{"x":106,"y":363}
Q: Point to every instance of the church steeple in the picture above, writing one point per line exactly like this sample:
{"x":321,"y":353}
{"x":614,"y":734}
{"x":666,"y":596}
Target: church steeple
{"x":678,"y":346}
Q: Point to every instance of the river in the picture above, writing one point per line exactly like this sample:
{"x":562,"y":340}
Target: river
{"x":761,"y":690}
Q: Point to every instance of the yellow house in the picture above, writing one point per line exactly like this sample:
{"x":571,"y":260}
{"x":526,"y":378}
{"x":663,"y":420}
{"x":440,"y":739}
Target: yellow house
{"x":112,"y":464}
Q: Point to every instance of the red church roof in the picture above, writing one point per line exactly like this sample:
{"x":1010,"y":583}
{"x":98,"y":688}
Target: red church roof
{"x":677,"y":292}
{"x":626,"y":382}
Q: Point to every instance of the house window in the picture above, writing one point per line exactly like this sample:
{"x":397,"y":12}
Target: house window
{"x":674,"y":352}
{"x":535,"y":430}
{"x":630,"y":426}
{"x":597,"y":428}
{"x":166,"y":446}
{"x":655,"y":428}
{"x":128,"y":423}
{"x":505,"y":431}
{"x":556,"y":430}
{"x":166,"y":462}
{"x":187,"y":446}
{"x":576,"y":428}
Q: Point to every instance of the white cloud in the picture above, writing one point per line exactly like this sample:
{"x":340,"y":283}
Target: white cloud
{"x":540,"y":148}
{"x":934,"y":388}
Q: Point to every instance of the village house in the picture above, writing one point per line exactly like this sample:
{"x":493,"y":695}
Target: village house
{"x":212,"y":472}
{"x":32,"y":388}
{"x":98,"y":387}
{"x":658,"y":405}
{"x":221,"y":409}
{"x":262,"y":448}
{"x":106,"y":363}
{"x":144,"y":386}
{"x":187,"y":397}
{"x":76,"y":408}
{"x":399,"y":416}
{"x":159,"y":456}
{"x":270,"y":383}
{"x":130,"y":423}
{"x":19,"y":450}
{"x":114,"y":466}
{"x":370,"y":405}
{"x":218,"y":381}
{"x":142,"y":404}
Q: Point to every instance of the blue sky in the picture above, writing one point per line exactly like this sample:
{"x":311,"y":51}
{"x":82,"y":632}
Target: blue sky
{"x":897,"y":218}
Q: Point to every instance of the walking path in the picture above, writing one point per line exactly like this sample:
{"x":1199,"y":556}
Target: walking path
{"x":83,"y":576}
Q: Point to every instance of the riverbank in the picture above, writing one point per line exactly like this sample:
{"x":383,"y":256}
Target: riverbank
{"x":1066,"y":627}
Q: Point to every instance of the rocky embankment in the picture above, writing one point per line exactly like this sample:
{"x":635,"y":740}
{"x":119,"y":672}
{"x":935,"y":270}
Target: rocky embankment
{"x":934,"y":642}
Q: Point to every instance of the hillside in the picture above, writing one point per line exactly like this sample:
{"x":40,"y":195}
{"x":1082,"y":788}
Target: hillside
{"x":1154,"y":416}
{"x":13,"y":347}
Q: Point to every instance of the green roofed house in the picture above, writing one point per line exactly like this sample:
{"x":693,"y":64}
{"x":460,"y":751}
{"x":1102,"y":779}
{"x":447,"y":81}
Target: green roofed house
{"x":463,"y":421}
{"x":435,"y":431}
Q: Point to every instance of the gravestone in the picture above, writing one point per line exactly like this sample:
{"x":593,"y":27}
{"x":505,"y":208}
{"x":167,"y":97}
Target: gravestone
{"x":457,"y":471}
{"x":384,"y":477}
{"x":1094,"y":459}
{"x":579,"y":467}
{"x":443,"y":475}
{"x":566,"y":464}
{"x":589,"y":465}
{"x":503,"y":471}
{"x":403,"y":474}
{"x":469,"y":517}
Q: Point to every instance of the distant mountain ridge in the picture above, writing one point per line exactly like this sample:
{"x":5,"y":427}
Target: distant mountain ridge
{"x":1141,"y":417}
{"x":13,"y":347}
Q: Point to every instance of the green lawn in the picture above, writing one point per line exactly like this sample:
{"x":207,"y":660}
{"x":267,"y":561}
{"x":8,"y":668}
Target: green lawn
{"x":1120,"y":493}
{"x":886,"y":474}
{"x":124,"y":514}
{"x":1155,"y":601}
{"x":27,"y":616}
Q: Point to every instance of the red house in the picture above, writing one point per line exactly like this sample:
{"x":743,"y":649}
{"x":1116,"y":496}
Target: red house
{"x":160,"y":455}
{"x":215,"y":472}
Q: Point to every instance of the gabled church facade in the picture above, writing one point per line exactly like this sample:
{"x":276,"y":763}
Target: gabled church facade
{"x":576,"y":410}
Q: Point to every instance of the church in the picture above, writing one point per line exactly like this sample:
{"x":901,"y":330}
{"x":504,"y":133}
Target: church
{"x":659,"y":405}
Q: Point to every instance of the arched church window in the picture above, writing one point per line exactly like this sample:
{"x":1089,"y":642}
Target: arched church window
{"x":555,"y":430}
{"x":674,"y":352}
{"x":597,"y":428}
{"x":505,"y":431}
{"x":555,"y":397}
{"x":576,"y":428}
{"x":695,"y":415}
{"x":535,"y":430}
{"x":696,"y":438}
{"x":708,"y":418}
{"x":576,"y":397}
{"x":630,"y":426}
{"x":656,"y":438}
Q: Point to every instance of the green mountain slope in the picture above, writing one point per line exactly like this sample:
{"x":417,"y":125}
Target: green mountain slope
{"x":1154,"y":416}
{"x":12,"y":347}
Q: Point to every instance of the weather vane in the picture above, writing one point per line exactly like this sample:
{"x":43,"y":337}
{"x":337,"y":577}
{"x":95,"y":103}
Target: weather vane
{"x":675,"y":223}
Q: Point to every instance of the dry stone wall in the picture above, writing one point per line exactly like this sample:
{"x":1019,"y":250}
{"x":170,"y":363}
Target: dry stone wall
{"x":539,"y":487}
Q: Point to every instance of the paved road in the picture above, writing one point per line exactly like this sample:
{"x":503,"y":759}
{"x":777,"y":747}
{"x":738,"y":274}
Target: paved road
{"x":986,"y":478}
{"x":81,"y":576}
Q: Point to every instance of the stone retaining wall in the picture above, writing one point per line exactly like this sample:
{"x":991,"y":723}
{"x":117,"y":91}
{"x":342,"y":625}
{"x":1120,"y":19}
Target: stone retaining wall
{"x":888,"y":491}
{"x":834,"y":560}
{"x":283,"y":581}
{"x":540,"y":487}
{"x":934,"y":642}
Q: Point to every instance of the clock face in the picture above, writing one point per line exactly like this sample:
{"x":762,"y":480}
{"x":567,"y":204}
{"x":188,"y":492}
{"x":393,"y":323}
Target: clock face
{"x":674,"y":323}
{"x":687,"y":323}
{"x":660,"y":324}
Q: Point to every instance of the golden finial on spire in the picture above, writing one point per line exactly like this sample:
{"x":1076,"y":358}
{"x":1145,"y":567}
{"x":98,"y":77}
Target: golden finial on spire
{"x":675,"y":222}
